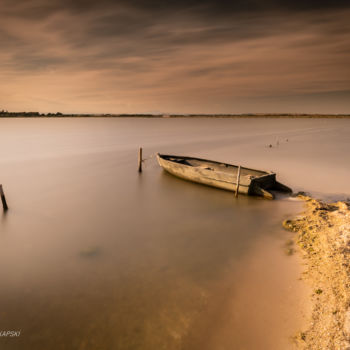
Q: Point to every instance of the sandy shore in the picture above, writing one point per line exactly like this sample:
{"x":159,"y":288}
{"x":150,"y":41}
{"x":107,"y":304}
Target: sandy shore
{"x":323,"y":235}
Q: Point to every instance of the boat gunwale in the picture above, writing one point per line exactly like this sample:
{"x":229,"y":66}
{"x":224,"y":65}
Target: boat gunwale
{"x":265,"y":173}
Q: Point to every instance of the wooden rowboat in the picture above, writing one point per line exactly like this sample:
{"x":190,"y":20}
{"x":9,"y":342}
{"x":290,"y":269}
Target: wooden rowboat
{"x":222,"y":175}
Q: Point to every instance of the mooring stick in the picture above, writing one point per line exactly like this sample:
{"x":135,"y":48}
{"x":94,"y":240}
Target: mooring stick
{"x":3,"y":199}
{"x":140,"y":160}
{"x":237,"y":181}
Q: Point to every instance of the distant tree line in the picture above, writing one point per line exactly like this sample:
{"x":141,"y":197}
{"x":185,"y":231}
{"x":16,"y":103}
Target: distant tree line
{"x":4,"y":113}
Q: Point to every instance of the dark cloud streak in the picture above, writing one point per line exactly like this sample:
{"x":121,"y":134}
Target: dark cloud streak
{"x":41,"y":9}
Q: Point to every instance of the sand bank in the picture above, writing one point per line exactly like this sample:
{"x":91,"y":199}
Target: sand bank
{"x":323,"y":235}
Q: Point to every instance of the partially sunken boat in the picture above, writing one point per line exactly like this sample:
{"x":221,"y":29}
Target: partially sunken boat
{"x":221,"y":175}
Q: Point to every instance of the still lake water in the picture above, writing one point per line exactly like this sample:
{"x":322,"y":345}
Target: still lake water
{"x":94,"y":255}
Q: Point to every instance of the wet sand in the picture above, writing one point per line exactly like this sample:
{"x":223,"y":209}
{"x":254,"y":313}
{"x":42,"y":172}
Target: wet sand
{"x":266,"y":311}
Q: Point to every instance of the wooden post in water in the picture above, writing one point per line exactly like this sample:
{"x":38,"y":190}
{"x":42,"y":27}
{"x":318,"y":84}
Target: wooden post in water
{"x":237,"y":181}
{"x":3,"y":199}
{"x":140,"y":160}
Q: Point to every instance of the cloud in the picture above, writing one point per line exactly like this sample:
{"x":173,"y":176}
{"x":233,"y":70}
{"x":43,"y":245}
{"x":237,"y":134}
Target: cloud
{"x":185,"y":55}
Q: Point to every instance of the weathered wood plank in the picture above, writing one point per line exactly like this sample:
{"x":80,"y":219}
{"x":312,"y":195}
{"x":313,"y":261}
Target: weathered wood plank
{"x":237,"y":181}
{"x":3,"y":199}
{"x":140,"y":160}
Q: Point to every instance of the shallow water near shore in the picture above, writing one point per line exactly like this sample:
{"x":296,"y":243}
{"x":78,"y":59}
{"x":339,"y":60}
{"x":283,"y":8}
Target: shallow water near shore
{"x":94,"y":255}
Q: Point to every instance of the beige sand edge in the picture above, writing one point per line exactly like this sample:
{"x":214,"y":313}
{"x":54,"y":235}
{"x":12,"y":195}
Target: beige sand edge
{"x":323,"y":235}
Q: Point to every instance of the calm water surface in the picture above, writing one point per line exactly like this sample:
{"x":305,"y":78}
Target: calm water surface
{"x":94,"y":255}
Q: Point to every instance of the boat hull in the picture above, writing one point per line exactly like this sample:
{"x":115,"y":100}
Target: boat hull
{"x":221,"y":175}
{"x":202,"y":176}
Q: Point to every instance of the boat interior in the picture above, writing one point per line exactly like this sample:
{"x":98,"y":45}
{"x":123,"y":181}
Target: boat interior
{"x":214,"y":166}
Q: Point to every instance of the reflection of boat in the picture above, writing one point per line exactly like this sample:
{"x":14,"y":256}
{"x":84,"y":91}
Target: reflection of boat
{"x":222,"y":175}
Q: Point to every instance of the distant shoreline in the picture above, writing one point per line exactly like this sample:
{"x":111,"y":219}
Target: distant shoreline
{"x":169,"y":116}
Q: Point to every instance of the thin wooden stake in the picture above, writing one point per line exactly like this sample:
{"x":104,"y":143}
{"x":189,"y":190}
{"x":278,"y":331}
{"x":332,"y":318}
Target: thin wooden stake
{"x":140,"y":160}
{"x":3,"y":199}
{"x":237,"y":181}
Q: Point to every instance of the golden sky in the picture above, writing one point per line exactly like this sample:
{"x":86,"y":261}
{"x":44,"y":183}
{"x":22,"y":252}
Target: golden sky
{"x":207,"y":56}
